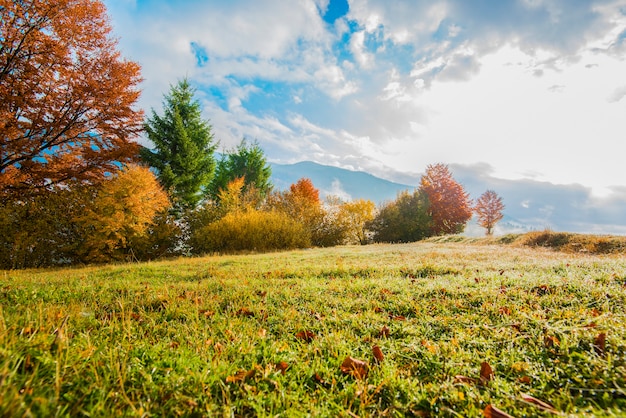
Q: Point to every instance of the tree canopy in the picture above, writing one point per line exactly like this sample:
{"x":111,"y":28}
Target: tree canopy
{"x":247,"y":161}
{"x":489,"y":209}
{"x":449,"y":204}
{"x":184,"y":147}
{"x":66,"y":96}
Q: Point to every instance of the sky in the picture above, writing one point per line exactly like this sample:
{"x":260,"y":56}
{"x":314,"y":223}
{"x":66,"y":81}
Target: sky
{"x":528,"y":90}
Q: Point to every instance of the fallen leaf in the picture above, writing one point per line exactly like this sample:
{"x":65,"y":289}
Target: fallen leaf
{"x":525,"y":379}
{"x":504,"y":310}
{"x":378,"y":309}
{"x":207,"y":313}
{"x":307,"y":336}
{"x":354,"y":367}
{"x":541,"y":404}
{"x":282,"y":367}
{"x":261,"y":293}
{"x":486,"y":373}
{"x":241,"y":376}
{"x":551,"y":341}
{"x":599,"y":343}
{"x":492,"y":412}
{"x":464,"y":379}
{"x":245,"y":312}
{"x":384,"y":332}
{"x":378,"y":354}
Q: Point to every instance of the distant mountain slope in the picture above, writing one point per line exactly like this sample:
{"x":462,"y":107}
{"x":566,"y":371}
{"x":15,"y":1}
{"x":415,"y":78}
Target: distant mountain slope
{"x":346,"y":184}
{"x":530,"y":205}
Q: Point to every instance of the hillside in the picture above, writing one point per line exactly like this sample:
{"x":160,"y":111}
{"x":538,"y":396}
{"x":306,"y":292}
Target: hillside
{"x":346,"y":184}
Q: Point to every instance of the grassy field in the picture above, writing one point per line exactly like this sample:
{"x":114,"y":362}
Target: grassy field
{"x":424,"y":329}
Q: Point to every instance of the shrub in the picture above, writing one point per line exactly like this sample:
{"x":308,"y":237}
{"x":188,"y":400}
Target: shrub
{"x":250,"y":230}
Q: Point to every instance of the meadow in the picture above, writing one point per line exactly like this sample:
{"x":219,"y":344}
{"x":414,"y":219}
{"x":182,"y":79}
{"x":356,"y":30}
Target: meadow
{"x":424,"y":329}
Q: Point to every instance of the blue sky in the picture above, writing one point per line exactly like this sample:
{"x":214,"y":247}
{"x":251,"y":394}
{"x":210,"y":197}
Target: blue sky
{"x":515,"y":89}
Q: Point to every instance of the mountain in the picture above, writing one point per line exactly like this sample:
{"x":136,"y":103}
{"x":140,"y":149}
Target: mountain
{"x":530,"y":205}
{"x":346,"y":184}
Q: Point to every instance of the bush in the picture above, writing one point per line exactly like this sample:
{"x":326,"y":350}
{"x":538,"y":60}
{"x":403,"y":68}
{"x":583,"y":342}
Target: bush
{"x":251,"y":231}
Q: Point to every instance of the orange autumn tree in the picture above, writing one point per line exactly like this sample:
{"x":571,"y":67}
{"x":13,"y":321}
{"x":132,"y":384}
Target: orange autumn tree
{"x":66,"y":96}
{"x":124,"y":208}
{"x":489,"y":209}
{"x":449,"y":204}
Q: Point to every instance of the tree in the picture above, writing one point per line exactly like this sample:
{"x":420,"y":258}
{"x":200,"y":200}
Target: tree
{"x":489,"y":209}
{"x":406,"y":219}
{"x":449,"y":204}
{"x":184,"y":147}
{"x":354,"y":216}
{"x":66,"y":96}
{"x":302,"y":203}
{"x":123,"y":210}
{"x":247,"y":161}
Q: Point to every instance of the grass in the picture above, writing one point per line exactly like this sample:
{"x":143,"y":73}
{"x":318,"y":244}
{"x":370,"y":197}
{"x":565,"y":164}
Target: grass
{"x":266,"y":335}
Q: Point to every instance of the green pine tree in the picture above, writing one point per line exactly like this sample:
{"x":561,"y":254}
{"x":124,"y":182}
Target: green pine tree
{"x":184,"y":148}
{"x":247,"y":161}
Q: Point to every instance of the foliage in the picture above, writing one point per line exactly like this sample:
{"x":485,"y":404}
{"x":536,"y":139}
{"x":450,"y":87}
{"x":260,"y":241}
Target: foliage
{"x":381,"y":330}
{"x":489,"y":209}
{"x":573,"y":243}
{"x":184,"y":148}
{"x":123,"y":210}
{"x":39,"y":230}
{"x":66,"y":96}
{"x":356,"y":215}
{"x":250,"y":231}
{"x":406,"y":219}
{"x":449,"y":204}
{"x":247,"y":161}
{"x":302,"y":203}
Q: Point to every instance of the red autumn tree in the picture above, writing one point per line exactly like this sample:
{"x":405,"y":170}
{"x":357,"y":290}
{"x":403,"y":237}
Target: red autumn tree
{"x":66,"y":96}
{"x":489,"y":208}
{"x":449,"y":204}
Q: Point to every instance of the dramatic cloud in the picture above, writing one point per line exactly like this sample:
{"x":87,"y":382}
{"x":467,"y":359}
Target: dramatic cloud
{"x":527,"y":86}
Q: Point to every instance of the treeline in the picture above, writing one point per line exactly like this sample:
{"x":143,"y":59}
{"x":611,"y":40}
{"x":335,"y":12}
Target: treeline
{"x":75,"y":186}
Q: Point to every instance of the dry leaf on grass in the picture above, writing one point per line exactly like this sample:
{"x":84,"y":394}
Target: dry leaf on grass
{"x":541,"y":404}
{"x":486,"y":373}
{"x":378,"y":354}
{"x":384,"y":332}
{"x":464,"y":379}
{"x":241,"y":376}
{"x":492,"y":412}
{"x":599,"y":343}
{"x":307,"y":336}
{"x":354,"y":367}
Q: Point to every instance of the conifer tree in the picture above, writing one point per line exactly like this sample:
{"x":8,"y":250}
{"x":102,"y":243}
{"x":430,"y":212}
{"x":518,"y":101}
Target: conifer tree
{"x":184,"y":147}
{"x":247,"y":161}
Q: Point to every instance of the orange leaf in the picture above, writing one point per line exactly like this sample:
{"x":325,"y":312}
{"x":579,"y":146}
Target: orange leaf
{"x":551,"y":341}
{"x":599,"y":343}
{"x":539,"y":403}
{"x":307,"y":336}
{"x":207,"y":313}
{"x":282,"y":367}
{"x":486,"y":373}
{"x":378,"y":354}
{"x":492,"y":412}
{"x":525,"y":379}
{"x":245,"y":312}
{"x":354,"y":367}
{"x":240,"y":376}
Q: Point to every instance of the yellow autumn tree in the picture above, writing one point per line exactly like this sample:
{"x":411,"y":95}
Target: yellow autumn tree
{"x":355,"y":216}
{"x":123,"y":210}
